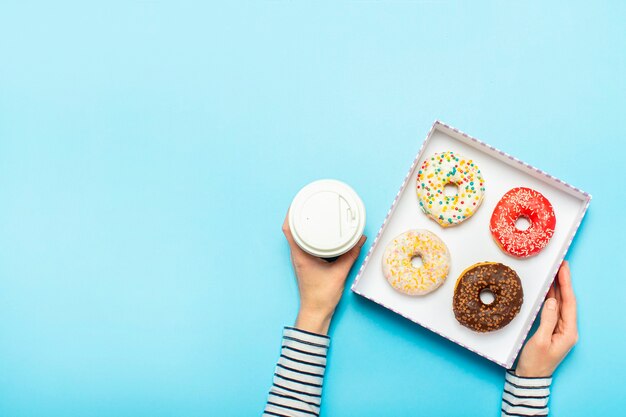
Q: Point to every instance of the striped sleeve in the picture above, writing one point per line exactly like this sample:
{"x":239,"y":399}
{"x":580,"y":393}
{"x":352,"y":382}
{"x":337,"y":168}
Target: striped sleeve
{"x":525,"y":396}
{"x":299,"y":375}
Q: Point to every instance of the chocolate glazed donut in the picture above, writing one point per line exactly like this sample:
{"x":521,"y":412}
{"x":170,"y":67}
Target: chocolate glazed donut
{"x":506,"y":287}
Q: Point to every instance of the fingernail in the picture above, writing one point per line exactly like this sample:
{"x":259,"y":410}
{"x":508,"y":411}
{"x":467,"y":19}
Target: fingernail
{"x":551,"y":304}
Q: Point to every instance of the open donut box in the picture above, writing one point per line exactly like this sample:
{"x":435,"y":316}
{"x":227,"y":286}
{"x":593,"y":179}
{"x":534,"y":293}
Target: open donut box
{"x":471,"y":242}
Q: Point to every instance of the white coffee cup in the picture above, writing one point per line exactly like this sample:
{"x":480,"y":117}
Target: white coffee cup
{"x":327,"y":218}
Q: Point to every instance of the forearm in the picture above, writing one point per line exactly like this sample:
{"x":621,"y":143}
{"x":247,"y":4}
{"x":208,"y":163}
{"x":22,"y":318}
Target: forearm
{"x":299,"y":375}
{"x":525,"y":396}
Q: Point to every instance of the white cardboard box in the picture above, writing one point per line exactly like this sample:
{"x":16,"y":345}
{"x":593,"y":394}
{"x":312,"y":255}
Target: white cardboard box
{"x":471,"y":242}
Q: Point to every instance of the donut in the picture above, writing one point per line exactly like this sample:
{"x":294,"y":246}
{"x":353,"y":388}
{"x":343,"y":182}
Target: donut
{"x":522,"y":202}
{"x":401,"y":273}
{"x":506,"y":288}
{"x":449,"y":168}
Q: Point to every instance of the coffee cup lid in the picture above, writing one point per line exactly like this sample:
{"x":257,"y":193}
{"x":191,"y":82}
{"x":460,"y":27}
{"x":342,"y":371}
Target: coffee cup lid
{"x":327,"y":218}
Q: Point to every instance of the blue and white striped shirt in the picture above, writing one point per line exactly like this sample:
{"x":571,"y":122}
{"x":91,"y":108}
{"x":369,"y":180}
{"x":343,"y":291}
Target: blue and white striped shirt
{"x":299,"y":377}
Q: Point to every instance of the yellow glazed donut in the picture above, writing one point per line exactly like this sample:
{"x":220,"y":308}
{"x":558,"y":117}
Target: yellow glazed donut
{"x":401,"y":273}
{"x":445,"y":168}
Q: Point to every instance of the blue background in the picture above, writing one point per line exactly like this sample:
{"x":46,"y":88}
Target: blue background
{"x":149,"y":152}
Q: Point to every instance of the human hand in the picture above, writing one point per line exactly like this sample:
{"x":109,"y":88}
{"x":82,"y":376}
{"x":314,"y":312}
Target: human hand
{"x":557,"y":333}
{"x":320,"y":283}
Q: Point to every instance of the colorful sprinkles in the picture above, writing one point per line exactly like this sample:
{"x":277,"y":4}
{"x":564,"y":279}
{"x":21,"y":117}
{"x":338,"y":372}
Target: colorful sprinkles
{"x":446,"y":168}
{"x":405,"y":277}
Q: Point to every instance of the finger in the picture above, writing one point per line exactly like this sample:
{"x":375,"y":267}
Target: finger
{"x":551,"y":292}
{"x":557,"y":293}
{"x":295,"y":249}
{"x":568,"y":303}
{"x":557,"y":289}
{"x":287,"y":229}
{"x":549,"y":318}
{"x":348,"y":258}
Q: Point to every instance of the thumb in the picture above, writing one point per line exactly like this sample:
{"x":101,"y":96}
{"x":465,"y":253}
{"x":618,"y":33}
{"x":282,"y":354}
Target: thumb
{"x":348,"y":258}
{"x":549,"y":318}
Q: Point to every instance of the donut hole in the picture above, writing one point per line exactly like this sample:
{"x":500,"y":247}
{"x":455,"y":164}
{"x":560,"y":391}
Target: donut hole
{"x":487,"y":297}
{"x":450,"y":189}
{"x":522,"y":223}
{"x":416,"y":261}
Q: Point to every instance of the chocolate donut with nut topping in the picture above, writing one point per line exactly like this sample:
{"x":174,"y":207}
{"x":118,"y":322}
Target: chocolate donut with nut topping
{"x":506,"y":287}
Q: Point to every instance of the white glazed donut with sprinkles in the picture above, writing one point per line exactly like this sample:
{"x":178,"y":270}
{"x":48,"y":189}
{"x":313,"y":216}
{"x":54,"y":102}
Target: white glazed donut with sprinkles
{"x":398,"y":267}
{"x":446,"y":168}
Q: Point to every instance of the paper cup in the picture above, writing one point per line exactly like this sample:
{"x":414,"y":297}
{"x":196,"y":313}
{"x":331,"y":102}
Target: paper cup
{"x":327,"y":218}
